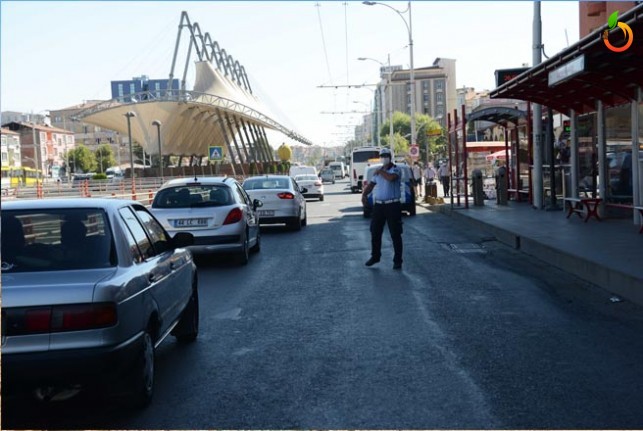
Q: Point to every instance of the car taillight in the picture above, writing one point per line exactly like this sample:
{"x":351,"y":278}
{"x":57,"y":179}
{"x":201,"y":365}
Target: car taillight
{"x":234,"y":216}
{"x":286,"y":195}
{"x":59,"y":318}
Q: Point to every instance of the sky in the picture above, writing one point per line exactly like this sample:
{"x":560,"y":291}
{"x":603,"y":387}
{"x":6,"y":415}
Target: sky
{"x":58,"y":54}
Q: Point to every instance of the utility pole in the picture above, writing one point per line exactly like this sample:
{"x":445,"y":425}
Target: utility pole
{"x":537,"y":178}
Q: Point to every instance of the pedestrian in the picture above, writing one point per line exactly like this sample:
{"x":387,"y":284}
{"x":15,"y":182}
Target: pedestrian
{"x":443,"y":173}
{"x":387,"y":208}
{"x":429,"y":178}
{"x":417,"y":179}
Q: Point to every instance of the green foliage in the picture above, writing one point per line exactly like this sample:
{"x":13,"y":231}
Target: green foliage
{"x":82,"y":159}
{"x":253,"y":169}
{"x":104,"y":157}
{"x":273,"y":169}
{"x":99,"y":177}
{"x":613,"y":20}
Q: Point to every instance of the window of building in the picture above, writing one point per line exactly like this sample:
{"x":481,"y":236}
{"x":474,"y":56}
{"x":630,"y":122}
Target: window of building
{"x":120,"y":90}
{"x":426,"y":98}
{"x":439,"y":85}
{"x":132,"y":88}
{"x":440,"y":97}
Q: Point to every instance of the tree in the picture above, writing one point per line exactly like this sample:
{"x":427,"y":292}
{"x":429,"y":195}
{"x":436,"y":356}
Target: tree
{"x":82,"y":159}
{"x":104,"y":157}
{"x":284,"y":152}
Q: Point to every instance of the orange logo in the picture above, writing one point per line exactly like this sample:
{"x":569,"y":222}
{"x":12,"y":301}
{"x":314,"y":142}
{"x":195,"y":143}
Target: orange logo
{"x":627,"y":32}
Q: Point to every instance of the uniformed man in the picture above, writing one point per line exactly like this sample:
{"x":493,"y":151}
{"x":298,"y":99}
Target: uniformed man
{"x":387,"y":209}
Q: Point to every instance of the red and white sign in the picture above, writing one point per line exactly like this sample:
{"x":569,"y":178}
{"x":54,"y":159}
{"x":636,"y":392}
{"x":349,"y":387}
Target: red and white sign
{"x":414,"y":151}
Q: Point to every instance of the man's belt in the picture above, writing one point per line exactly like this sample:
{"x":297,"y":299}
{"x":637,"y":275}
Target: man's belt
{"x":390,"y":201}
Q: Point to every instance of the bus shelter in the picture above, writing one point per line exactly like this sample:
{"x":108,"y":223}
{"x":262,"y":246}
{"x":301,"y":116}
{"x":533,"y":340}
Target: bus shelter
{"x":600,"y":91}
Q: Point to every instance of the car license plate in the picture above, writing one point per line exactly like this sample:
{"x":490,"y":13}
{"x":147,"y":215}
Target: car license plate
{"x":191,"y":222}
{"x":266,"y":213}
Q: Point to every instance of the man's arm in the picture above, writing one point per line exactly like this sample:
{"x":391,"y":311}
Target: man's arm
{"x":386,"y":175}
{"x":367,"y":190}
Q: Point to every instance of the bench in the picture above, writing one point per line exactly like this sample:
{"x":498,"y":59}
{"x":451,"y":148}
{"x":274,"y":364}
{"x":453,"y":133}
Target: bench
{"x":640,"y":210}
{"x":581,"y":205}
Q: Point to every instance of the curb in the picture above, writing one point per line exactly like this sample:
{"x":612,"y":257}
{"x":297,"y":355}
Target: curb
{"x":597,"y":273}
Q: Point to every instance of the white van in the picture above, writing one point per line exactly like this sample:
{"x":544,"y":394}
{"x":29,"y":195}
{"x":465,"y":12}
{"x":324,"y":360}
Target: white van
{"x":361,"y":158}
{"x":338,"y":169}
{"x":302,"y":170}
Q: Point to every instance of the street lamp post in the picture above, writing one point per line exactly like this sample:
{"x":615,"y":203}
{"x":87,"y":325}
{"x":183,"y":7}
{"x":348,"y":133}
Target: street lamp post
{"x":390,"y":96}
{"x":129,"y":115}
{"x":409,"y":27}
{"x":158,"y":124}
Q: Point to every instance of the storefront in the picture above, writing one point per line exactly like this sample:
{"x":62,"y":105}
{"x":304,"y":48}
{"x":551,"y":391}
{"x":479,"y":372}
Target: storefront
{"x":601,"y":153}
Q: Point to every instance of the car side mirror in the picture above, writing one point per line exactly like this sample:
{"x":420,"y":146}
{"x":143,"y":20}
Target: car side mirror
{"x":257,"y":203}
{"x":304,"y":190}
{"x":182,"y":239}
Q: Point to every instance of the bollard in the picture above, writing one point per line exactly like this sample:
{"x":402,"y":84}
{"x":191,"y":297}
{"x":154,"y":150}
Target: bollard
{"x":477,"y":186}
{"x":501,"y":186}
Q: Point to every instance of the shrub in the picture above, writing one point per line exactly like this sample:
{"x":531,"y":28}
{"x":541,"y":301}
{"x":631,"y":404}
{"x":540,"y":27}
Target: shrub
{"x":99,"y":177}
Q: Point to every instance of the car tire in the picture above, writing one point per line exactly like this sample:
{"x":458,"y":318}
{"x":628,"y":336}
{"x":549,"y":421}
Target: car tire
{"x":257,"y":247}
{"x":304,"y":222}
{"x":244,"y":255}
{"x":187,"y":329}
{"x":295,"y":224}
{"x":321,"y":198}
{"x":141,"y":381}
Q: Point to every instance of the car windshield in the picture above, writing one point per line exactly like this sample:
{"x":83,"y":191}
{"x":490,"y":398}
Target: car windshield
{"x":266,"y":184}
{"x":305,"y":178}
{"x":193,"y":195}
{"x":56,"y":240}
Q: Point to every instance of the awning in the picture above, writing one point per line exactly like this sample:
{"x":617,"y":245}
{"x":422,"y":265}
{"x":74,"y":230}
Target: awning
{"x":585,"y":73}
{"x":191,"y":120}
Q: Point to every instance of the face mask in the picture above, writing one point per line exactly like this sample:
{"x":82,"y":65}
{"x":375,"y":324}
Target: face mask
{"x":385,"y":160}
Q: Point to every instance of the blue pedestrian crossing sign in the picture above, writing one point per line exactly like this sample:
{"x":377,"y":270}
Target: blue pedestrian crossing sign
{"x":216,"y":153}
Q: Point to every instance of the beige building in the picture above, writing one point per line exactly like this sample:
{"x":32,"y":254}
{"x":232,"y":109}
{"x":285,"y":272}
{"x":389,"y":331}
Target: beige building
{"x":10,"y":148}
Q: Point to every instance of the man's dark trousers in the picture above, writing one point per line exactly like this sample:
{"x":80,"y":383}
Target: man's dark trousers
{"x":390,"y":214}
{"x":445,"y":185}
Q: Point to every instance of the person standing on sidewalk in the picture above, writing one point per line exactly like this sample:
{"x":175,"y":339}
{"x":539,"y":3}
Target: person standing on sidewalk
{"x":387,"y":209}
{"x":417,"y":179}
{"x":443,"y":173}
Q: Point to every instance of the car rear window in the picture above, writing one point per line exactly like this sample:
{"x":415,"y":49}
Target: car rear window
{"x":193,"y":195}
{"x":305,"y":178}
{"x":266,"y":184}
{"x":56,"y":240}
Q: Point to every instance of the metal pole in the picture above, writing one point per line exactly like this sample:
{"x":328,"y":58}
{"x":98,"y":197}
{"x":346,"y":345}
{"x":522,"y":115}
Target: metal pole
{"x":158,"y":124}
{"x":129,"y":115}
{"x":390,"y":104}
{"x":602,"y":156}
{"x":466,"y":156}
{"x":412,"y":80}
{"x":36,"y":150}
{"x":636,"y":172}
{"x":537,"y":115}
{"x":573,"y":150}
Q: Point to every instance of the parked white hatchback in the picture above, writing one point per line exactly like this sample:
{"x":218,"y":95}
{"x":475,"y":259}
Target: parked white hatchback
{"x":215,"y":210}
{"x":313,"y":184}
{"x":282,"y":198}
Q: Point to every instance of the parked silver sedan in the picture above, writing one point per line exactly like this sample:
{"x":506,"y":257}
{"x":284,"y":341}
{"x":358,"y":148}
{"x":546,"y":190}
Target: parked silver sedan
{"x":216,"y":210}
{"x":283,"y":201}
{"x":90,"y":287}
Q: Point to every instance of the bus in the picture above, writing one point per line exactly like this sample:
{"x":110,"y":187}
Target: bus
{"x":15,"y":176}
{"x":361,"y":158}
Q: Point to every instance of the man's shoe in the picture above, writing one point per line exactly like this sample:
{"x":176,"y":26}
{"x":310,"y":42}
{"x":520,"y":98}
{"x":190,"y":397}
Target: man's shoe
{"x":397,"y":266}
{"x":372,"y":261}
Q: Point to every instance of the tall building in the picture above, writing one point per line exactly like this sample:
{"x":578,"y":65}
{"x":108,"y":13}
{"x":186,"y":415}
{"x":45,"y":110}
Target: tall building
{"x":435,"y":90}
{"x":594,"y":14}
{"x":123,"y":90}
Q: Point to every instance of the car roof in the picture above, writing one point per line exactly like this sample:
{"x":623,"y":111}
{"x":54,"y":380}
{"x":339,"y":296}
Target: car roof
{"x":267,"y":176}
{"x":202,"y":180}
{"x":64,"y":203}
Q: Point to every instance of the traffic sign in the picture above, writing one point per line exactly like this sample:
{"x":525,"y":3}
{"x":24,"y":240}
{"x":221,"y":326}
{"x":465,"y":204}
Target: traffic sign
{"x":216,"y":153}
{"x":414,"y":151}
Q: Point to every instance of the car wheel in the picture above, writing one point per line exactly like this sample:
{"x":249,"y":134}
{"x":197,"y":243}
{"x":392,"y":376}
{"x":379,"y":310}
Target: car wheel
{"x":295,"y":224}
{"x":244,"y":254}
{"x":257,"y":247}
{"x":304,"y":222}
{"x":188,"y":327}
{"x":321,"y":198}
{"x":141,"y":382}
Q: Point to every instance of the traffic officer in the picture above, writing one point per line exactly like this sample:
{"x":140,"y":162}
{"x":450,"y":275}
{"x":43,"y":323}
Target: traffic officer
{"x":387,"y":209}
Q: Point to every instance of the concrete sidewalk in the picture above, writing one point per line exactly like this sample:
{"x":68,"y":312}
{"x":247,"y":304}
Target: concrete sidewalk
{"x":608,"y":253}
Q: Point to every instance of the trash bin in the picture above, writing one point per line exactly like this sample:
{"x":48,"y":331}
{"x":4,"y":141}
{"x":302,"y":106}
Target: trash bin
{"x":501,"y":186}
{"x":431,"y":189}
{"x":477,"y":186}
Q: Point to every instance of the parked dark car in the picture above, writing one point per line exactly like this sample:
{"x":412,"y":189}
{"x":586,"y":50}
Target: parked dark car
{"x":90,"y":287}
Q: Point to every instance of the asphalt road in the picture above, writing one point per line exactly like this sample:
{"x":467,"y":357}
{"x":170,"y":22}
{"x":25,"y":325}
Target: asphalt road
{"x":470,"y":334}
